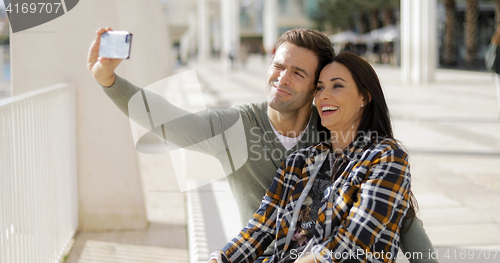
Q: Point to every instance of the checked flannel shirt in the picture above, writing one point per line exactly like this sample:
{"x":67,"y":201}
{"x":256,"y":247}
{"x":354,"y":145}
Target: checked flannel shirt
{"x":360,"y":215}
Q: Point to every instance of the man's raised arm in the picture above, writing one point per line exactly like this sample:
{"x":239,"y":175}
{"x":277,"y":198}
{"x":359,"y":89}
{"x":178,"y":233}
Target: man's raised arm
{"x":211,"y":132}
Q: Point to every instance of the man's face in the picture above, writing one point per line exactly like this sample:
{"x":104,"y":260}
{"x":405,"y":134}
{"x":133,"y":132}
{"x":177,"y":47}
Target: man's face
{"x":291,"y":78}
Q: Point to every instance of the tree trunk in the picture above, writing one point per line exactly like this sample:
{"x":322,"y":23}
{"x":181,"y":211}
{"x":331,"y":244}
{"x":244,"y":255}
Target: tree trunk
{"x":373,"y":19}
{"x":450,"y":51}
{"x":497,"y":13}
{"x":471,"y":30}
{"x":388,"y":16}
{"x":361,"y":23}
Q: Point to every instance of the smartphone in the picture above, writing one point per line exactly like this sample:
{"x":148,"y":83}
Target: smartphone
{"x":115,"y":44}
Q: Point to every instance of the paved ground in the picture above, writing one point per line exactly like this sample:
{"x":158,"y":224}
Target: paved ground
{"x":451,"y":129}
{"x":164,"y":241}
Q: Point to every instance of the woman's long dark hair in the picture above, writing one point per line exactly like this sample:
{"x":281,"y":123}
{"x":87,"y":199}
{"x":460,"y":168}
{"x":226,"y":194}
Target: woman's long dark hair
{"x":375,"y":117}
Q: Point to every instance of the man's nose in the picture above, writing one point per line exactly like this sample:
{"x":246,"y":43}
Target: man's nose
{"x":284,"y":78}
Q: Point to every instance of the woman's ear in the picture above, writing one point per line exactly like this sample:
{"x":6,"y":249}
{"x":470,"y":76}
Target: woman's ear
{"x":367,"y":99}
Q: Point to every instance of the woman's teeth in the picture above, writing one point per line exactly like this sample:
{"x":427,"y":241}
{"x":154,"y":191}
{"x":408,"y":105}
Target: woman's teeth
{"x":329,"y":108}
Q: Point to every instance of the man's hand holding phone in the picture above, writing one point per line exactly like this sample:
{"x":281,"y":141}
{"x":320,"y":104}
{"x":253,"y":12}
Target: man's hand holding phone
{"x":103,"y":69}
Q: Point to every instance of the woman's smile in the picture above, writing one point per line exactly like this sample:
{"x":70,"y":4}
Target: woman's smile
{"x":327,"y":110}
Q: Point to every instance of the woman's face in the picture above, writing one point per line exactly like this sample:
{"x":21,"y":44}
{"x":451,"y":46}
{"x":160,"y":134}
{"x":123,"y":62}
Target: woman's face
{"x":338,"y":100}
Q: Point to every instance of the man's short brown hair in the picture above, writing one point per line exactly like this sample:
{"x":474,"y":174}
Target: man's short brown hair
{"x":313,"y":40}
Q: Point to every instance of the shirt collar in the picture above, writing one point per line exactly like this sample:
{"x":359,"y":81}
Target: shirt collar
{"x":356,"y":149}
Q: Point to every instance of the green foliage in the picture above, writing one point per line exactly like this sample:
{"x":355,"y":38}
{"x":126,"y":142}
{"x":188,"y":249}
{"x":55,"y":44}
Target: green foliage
{"x":335,"y":13}
{"x":4,"y":40}
{"x":343,"y":14}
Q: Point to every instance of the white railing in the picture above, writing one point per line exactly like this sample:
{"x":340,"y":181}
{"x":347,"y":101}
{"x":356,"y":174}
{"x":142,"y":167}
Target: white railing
{"x":38,"y":188}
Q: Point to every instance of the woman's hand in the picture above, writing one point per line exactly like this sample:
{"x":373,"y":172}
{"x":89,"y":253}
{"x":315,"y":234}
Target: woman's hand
{"x":102,"y":69}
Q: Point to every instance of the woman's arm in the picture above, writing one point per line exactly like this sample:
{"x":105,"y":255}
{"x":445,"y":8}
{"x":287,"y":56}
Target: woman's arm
{"x":380,"y":202}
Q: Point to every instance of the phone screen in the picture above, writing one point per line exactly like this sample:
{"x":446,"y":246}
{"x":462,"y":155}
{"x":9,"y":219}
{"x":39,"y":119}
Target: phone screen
{"x":115,"y":44}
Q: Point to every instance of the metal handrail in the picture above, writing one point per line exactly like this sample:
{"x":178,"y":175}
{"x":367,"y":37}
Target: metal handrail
{"x":38,"y":184}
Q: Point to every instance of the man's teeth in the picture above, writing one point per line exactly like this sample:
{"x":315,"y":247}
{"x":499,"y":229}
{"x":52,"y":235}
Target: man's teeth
{"x":328,"y":108}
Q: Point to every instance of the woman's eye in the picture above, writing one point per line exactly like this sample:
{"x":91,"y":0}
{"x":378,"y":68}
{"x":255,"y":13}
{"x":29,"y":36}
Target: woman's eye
{"x":320,"y":88}
{"x":337,"y":86}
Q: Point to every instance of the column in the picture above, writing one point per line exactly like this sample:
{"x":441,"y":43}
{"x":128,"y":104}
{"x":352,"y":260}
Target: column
{"x":216,"y":34}
{"x":203,"y":30}
{"x":270,"y":36}
{"x":188,"y":40}
{"x":418,"y":40}
{"x":230,"y":27}
{"x":235,"y":22}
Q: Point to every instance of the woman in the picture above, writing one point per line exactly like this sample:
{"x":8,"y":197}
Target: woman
{"x":342,"y":200}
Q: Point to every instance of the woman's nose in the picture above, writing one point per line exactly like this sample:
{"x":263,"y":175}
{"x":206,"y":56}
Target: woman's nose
{"x":324,"y":95}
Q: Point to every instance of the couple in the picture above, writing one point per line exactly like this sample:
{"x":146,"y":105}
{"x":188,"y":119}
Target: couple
{"x":322,"y":199}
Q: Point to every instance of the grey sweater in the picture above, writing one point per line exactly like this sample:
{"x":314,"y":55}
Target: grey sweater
{"x":249,"y":171}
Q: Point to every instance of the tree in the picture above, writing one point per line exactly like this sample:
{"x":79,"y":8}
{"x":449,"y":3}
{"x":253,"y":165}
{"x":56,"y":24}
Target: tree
{"x":388,"y":16}
{"x":360,"y":14}
{"x":361,"y":22}
{"x":384,"y":8}
{"x":450,"y":48}
{"x":336,"y":14}
{"x":497,"y":13}
{"x":471,"y":30}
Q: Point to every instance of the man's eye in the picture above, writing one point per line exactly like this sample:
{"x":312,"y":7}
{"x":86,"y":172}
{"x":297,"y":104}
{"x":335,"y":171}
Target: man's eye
{"x":299,"y":74}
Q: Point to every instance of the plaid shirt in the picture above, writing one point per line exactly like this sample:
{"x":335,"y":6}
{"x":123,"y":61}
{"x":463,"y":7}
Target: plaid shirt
{"x":360,"y":215}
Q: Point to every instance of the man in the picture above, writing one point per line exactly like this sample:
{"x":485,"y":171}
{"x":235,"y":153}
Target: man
{"x":286,"y":122}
